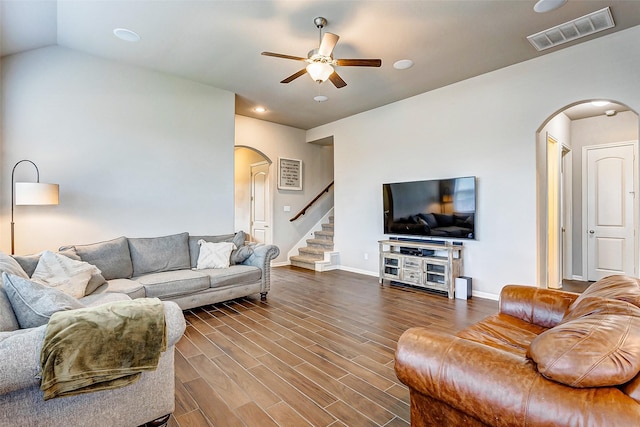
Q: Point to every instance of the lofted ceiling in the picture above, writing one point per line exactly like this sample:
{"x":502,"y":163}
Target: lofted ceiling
{"x":218,"y":43}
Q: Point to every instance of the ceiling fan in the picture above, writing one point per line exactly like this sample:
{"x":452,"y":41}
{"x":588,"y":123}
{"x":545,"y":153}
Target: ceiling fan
{"x":321,"y":62}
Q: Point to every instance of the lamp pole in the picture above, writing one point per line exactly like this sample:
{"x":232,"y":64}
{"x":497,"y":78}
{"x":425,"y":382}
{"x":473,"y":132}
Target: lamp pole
{"x":13,"y":200}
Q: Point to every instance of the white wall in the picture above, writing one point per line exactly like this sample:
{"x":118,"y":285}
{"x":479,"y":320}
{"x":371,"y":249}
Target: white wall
{"x":274,"y":140}
{"x":485,"y":126}
{"x":135,"y":152}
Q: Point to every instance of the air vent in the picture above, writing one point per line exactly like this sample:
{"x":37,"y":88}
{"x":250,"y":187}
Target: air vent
{"x":580,"y":27}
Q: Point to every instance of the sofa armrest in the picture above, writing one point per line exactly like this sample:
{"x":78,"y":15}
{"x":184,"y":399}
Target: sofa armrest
{"x":174,"y":319}
{"x":500,"y":388}
{"x":20,"y":358}
{"x":261,"y":257}
{"x":543,"y":307}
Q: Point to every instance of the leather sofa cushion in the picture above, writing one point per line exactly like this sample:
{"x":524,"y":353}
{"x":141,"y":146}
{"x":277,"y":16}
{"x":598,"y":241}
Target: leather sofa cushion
{"x":157,"y":254}
{"x":503,"y":332}
{"x":172,"y":283}
{"x":618,"y":287}
{"x":597,"y":346}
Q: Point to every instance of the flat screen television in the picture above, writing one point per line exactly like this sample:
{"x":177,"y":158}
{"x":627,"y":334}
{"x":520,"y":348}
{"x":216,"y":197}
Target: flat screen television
{"x":438,"y":208}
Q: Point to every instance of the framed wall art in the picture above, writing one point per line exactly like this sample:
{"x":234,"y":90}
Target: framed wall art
{"x":289,"y":174}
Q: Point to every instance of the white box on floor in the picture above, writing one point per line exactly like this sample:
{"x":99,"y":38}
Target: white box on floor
{"x":463,"y":287}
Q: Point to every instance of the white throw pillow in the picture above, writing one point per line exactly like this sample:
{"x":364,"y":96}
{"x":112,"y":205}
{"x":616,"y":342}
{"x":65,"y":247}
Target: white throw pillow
{"x":63,"y":273}
{"x":214,"y":255}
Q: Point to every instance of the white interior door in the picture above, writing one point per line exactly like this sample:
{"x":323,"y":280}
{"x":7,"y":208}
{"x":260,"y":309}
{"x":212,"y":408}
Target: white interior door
{"x":260,"y":205}
{"x":611,"y":210}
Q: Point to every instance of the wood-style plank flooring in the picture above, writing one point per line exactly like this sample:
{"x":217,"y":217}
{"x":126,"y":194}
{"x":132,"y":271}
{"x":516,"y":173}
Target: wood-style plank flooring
{"x":319,"y":352}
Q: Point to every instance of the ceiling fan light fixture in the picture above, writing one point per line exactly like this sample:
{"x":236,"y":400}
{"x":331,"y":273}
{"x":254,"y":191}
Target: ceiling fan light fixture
{"x":319,"y":71}
{"x":320,"y":98}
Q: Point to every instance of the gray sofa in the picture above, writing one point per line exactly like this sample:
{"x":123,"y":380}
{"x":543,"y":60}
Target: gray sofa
{"x":130,"y":268}
{"x":21,"y":401}
{"x":165,"y":267}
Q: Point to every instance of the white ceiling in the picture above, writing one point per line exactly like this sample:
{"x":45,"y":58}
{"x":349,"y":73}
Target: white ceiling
{"x":218,"y":42}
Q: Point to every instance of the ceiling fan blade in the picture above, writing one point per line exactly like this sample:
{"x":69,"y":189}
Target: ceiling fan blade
{"x":337,"y":80}
{"x":295,"y":76}
{"x":329,"y":41}
{"x":359,"y":62}
{"x":279,"y":55}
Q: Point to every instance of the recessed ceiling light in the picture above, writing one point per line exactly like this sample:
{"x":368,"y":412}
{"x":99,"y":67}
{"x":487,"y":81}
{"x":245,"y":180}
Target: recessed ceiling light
{"x":403,"y":64}
{"x":320,"y":98}
{"x":543,"y":6}
{"x":260,"y":109}
{"x":599,"y":103}
{"x":610,"y":113}
{"x":126,"y":35}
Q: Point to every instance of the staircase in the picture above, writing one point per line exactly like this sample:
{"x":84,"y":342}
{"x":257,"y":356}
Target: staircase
{"x":318,"y":255}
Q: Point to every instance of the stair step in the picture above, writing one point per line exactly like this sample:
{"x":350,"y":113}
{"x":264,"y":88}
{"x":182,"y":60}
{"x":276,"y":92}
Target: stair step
{"x":317,"y":253}
{"x":322,"y":234}
{"x":320,"y":243}
{"x":327,"y":227}
{"x":331,"y":219}
{"x":303,"y":262}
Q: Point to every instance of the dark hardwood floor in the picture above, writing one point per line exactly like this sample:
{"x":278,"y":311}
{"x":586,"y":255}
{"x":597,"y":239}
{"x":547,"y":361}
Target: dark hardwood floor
{"x":318,"y":352}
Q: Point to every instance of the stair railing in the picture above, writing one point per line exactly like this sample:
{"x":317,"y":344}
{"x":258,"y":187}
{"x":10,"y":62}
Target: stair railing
{"x":315,"y":199}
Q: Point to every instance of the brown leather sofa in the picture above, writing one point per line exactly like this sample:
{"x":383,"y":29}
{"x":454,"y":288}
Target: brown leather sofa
{"x":547,"y":358}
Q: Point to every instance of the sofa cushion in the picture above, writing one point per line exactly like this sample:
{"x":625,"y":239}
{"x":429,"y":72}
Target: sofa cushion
{"x":618,"y":287}
{"x":194,"y":247}
{"x":241,"y":254}
{"x":157,"y":254}
{"x":63,"y":273}
{"x":111,"y":257}
{"x":234,"y":275}
{"x":172,"y":283}
{"x":34,"y":303}
{"x":132,"y":288}
{"x":598,"y":347}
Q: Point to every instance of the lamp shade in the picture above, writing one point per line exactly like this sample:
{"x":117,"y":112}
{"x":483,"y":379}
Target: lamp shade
{"x":36,"y":193}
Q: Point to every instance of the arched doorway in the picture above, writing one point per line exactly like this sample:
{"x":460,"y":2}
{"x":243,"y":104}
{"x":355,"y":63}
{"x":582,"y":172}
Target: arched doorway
{"x":252,"y":195}
{"x":565,"y":249}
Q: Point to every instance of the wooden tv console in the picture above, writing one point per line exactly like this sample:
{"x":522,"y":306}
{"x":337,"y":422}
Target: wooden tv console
{"x":426,"y":264}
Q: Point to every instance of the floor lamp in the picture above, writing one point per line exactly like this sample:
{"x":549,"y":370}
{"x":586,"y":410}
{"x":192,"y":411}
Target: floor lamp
{"x":30,"y":193}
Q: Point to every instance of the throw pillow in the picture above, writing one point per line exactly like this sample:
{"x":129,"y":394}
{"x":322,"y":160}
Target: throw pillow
{"x":214,"y":255}
{"x":65,"y":274}
{"x":600,"y":348}
{"x":34,"y":303}
{"x":8,"y":321}
{"x":241,"y":254}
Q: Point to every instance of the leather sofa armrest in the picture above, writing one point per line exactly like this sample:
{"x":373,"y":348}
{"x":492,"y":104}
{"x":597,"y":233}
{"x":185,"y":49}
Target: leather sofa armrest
{"x":499,"y":388}
{"x":543,"y":307}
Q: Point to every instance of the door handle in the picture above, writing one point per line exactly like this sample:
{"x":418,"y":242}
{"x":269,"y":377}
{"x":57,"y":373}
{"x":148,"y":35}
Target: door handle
{"x":591,"y":232}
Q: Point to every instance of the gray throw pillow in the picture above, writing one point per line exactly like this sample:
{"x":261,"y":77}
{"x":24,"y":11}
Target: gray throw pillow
{"x":8,"y":320}
{"x":157,"y":254}
{"x":111,"y":257}
{"x":240,"y":255}
{"x":33,"y":303}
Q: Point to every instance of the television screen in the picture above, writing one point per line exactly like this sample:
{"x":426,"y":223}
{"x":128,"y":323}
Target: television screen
{"x":442,"y":208}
